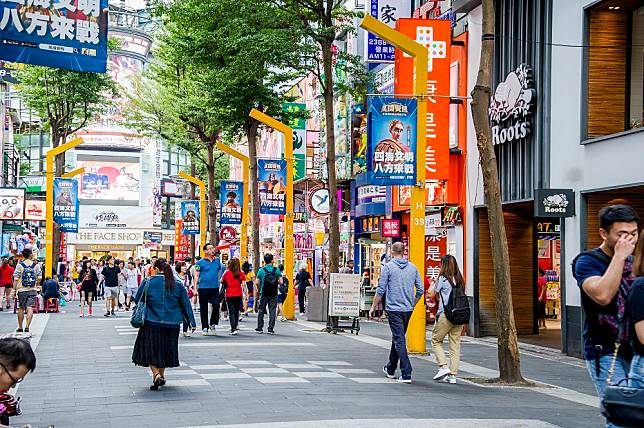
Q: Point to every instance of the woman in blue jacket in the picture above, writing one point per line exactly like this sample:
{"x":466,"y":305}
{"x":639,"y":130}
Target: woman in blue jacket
{"x":157,"y":343}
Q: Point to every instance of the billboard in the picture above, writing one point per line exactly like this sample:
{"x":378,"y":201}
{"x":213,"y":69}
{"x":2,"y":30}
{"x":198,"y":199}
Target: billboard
{"x":66,"y":204}
{"x":231,"y":202}
{"x":62,"y":33}
{"x":107,"y":180}
{"x":392,"y":140}
{"x":12,"y":204}
{"x":35,"y":210}
{"x":388,"y":12}
{"x":189,"y":217}
{"x":272,"y":186}
{"x":294,"y":110}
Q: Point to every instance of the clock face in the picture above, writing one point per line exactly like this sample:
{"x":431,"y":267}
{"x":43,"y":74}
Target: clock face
{"x":320,"y":201}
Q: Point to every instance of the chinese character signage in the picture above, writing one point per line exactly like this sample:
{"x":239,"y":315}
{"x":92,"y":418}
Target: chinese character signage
{"x":231,"y":196}
{"x":392,"y":140}
{"x":435,"y":248}
{"x":435,"y":35}
{"x":35,"y":210}
{"x":69,"y":34}
{"x":152,"y":240}
{"x":12,"y":204}
{"x":190,"y":217}
{"x":387,"y":12}
{"x":296,"y":111}
{"x":390,"y":228}
{"x":66,"y":204}
{"x":272,"y":186}
{"x":181,"y":242}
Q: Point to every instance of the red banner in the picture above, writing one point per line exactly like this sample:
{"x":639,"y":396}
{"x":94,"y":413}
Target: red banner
{"x":181,"y":242}
{"x":435,"y":248}
{"x":390,"y":228}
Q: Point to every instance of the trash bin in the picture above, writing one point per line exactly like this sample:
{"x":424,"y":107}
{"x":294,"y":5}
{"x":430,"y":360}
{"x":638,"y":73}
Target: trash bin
{"x":317,"y":306}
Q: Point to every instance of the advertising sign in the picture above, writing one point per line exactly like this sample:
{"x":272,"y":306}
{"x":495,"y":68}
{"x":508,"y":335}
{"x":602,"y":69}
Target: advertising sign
{"x":190,"y":217}
{"x":390,"y":228}
{"x":12,"y":203}
{"x":107,"y":180}
{"x":436,"y":35}
{"x":152,"y":240}
{"x":61,"y":33}
{"x":387,"y":12}
{"x":35,"y":210}
{"x":231,"y":197}
{"x":435,"y":248}
{"x":554,"y":203}
{"x":344,"y":295}
{"x":392,"y":140}
{"x":299,"y":137}
{"x":66,"y":204}
{"x":104,"y":217}
{"x":272,"y":186}
{"x":228,"y":234}
{"x":181,"y":242}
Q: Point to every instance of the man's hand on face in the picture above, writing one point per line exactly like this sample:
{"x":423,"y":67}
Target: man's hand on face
{"x":625,"y":246}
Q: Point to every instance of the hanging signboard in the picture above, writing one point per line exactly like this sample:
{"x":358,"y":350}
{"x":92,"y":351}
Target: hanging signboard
{"x":152,"y":240}
{"x":181,"y":242}
{"x":190,"y":217}
{"x":61,"y":34}
{"x":231,"y":196}
{"x":392,"y":140}
{"x":390,"y":228}
{"x":387,"y":12}
{"x":66,"y":204}
{"x":296,"y":111}
{"x":12,"y":203}
{"x":35,"y":210}
{"x":344,"y":295}
{"x":272,"y":186}
{"x":554,"y":203}
{"x":435,"y":249}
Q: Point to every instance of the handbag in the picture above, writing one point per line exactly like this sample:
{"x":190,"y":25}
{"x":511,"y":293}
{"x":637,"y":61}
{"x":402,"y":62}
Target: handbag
{"x":11,"y":404}
{"x":138,"y":314}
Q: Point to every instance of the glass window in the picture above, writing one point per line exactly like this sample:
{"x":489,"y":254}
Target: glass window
{"x":637,"y":70}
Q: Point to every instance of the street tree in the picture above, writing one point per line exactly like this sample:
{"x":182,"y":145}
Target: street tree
{"x":508,"y":348}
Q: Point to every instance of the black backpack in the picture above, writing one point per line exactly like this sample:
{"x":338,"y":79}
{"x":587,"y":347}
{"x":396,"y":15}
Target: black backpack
{"x":457,"y":309}
{"x":284,"y":286}
{"x":271,"y":282}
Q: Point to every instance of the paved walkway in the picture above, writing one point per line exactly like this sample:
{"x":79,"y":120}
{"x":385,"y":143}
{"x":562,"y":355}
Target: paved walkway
{"x":299,"y":377}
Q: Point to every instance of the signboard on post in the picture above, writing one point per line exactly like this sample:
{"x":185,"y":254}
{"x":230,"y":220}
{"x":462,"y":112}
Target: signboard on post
{"x":12,"y":203}
{"x":272,"y":186}
{"x":390,"y":228}
{"x":35,"y":210}
{"x":231,"y":194}
{"x":299,"y":137}
{"x":554,"y":203}
{"x":152,"y":240}
{"x":190,"y":217}
{"x":344,"y":295}
{"x":62,"y":34}
{"x":387,"y":12}
{"x":66,"y":204}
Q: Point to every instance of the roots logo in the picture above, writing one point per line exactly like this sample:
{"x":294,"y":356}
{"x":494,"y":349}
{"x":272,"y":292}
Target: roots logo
{"x":555,"y":203}
{"x":511,"y":106}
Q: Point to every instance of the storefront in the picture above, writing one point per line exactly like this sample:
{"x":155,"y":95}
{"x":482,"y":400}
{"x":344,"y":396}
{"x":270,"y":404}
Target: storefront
{"x":121,"y":244}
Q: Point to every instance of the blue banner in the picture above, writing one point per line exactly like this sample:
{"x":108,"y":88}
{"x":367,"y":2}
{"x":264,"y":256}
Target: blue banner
{"x":392,"y":140}
{"x":272,"y":186}
{"x":231,"y":198}
{"x":69,"y":34}
{"x":190,"y":218}
{"x":66,"y":204}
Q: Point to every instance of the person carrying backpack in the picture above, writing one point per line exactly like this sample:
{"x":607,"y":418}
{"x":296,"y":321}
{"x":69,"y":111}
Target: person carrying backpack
{"x":26,"y":278}
{"x":268,"y":280}
{"x":283,"y":293}
{"x":453,"y":311}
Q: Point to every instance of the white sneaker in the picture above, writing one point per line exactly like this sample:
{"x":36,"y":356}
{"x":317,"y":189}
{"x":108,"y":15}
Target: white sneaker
{"x":442,"y":372}
{"x":403,"y":380}
{"x":302,"y":314}
{"x":450,"y":379}
{"x":204,"y":332}
{"x":213,"y":330}
{"x":187,"y":334}
{"x":233,"y":333}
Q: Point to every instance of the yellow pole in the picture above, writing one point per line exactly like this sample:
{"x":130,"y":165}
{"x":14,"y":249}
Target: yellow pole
{"x":245,"y":179}
{"x":73,"y":173}
{"x":289,"y":245}
{"x":203,"y":215}
{"x":49,"y":200}
{"x":416,"y":332}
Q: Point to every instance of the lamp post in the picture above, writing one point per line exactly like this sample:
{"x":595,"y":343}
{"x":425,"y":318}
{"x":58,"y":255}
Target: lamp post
{"x":245,"y":179}
{"x":203,"y":217}
{"x":49,"y":199}
{"x":289,"y":246}
{"x":416,"y":341}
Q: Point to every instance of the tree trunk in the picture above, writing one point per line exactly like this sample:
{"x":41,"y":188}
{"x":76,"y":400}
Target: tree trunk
{"x":251,"y":134}
{"x":212,"y":197}
{"x":193,"y":196}
{"x":508,"y":349}
{"x":334,"y":224}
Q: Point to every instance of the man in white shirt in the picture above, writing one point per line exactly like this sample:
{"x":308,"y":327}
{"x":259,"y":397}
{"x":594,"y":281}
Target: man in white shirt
{"x":131,"y":284}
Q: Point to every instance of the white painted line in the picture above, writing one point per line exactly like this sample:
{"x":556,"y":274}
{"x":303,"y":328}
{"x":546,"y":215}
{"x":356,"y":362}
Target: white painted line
{"x":213,"y":367}
{"x":265,"y":370}
{"x":128,"y":333}
{"x":188,"y":382}
{"x":37,"y":329}
{"x":318,"y":375}
{"x":250,"y":363}
{"x":125,"y":326}
{"x":329,"y":363}
{"x":371,"y":380}
{"x":281,"y":380}
{"x":219,"y":376}
{"x":353,"y":371}
{"x":298,"y":366}
{"x":183,"y":372}
{"x":229,"y":345}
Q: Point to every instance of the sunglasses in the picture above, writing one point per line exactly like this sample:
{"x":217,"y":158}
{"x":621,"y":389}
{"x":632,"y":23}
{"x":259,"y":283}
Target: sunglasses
{"x":13,"y":379}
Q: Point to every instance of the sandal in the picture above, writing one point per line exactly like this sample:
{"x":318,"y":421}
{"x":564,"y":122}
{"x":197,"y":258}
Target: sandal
{"x":156,"y":383}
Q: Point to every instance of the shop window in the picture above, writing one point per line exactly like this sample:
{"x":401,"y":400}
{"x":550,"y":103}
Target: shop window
{"x":615,"y":67}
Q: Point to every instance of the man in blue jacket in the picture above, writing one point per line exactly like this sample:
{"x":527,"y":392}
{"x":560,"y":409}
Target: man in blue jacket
{"x":208,"y":273}
{"x":400,"y":281}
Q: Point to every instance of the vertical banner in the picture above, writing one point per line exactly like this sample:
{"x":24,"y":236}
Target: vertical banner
{"x":436,"y":36}
{"x":299,"y":137}
{"x":231,"y":201}
{"x":435,"y":248}
{"x":190,"y":217}
{"x":181,"y":241}
{"x":55,"y":33}
{"x":387,"y":12}
{"x":272,"y":186}
{"x":156,"y":191}
{"x":12,"y":203}
{"x":66,"y":204}
{"x":392,"y":140}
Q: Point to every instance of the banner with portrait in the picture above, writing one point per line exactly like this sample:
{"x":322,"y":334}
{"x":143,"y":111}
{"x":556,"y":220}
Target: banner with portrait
{"x":66,"y":204}
{"x":392,"y":140}
{"x":272,"y":186}
{"x":190,"y":218}
{"x":231,"y":196}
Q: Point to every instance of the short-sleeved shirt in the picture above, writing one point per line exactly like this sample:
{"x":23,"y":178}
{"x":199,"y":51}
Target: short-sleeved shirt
{"x":443,"y":287}
{"x":261,"y":274}
{"x":111,"y":276}
{"x":636,"y":312}
{"x":6,"y":275}
{"x":303,"y":279}
{"x":541,"y":283}
{"x":18,"y":273}
{"x":132,"y":277}
{"x":210,"y":272}
{"x":588,"y":266}
{"x":233,"y":285}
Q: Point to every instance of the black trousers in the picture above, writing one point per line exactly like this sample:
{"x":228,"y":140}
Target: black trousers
{"x":206,"y":296}
{"x":301,"y":296}
{"x":271,"y":302}
{"x":234,"y":308}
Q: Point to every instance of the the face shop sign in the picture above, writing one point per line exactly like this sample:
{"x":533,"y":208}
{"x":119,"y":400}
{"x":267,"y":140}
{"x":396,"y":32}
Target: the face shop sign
{"x":512,"y":105}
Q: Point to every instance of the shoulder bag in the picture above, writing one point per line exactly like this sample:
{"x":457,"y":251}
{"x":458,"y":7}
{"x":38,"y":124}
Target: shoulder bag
{"x":138,"y":315}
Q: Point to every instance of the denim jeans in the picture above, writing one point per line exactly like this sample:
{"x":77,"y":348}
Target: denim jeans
{"x":636,"y":374}
{"x":398,"y":322}
{"x":621,"y":368}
